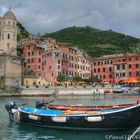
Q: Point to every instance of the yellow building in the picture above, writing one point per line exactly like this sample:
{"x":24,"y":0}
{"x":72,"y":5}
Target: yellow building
{"x":33,"y":81}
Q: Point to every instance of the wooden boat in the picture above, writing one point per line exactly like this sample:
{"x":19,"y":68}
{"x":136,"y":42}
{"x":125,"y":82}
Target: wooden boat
{"x":46,"y":105}
{"x":122,"y":118}
{"x":84,"y":108}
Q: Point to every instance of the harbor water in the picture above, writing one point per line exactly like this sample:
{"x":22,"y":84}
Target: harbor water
{"x":11,"y":131}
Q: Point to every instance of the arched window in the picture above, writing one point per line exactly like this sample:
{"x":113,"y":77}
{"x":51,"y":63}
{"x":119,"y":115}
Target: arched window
{"x":8,"y":45}
{"x":8,"y":36}
{"x":14,"y":23}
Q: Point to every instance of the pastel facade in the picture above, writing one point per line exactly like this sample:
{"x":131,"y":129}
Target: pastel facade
{"x":117,"y":68}
{"x":33,"y":58}
{"x":30,"y":81}
{"x":55,"y":61}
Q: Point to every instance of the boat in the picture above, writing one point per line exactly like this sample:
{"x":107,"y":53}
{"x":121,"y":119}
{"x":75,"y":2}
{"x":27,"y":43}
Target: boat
{"x":46,"y":105}
{"x":122,"y":118}
{"x":86,"y":108}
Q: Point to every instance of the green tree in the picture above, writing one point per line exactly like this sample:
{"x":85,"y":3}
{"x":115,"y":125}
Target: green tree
{"x":61,"y":78}
{"x":78,"y":79}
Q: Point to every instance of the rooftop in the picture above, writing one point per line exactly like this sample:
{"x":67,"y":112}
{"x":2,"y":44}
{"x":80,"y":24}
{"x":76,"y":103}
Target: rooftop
{"x":9,"y":15}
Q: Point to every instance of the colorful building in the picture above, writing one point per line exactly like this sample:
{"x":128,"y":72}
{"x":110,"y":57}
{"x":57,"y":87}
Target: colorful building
{"x":50,"y":60}
{"x":33,"y":58}
{"x":117,"y":68}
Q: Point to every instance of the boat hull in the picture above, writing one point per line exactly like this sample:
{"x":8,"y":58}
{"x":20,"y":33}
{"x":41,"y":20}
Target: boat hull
{"x":86,"y":108}
{"x":122,"y":119}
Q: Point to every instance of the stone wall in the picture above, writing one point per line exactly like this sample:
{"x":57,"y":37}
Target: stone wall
{"x":10,"y":69}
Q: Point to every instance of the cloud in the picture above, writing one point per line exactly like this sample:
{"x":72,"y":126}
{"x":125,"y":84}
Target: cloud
{"x":47,"y":16}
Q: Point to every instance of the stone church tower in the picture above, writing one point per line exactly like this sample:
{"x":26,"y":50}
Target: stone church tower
{"x":10,"y":63}
{"x":8,"y":33}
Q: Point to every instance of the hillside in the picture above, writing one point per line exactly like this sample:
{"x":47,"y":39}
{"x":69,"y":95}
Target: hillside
{"x":22,"y":34}
{"x":96,"y":42}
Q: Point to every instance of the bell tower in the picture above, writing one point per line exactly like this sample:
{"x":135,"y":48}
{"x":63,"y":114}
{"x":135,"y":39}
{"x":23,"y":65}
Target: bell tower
{"x":8,"y":36}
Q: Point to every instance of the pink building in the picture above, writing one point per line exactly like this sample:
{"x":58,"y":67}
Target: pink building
{"x":50,"y":61}
{"x":64,"y":61}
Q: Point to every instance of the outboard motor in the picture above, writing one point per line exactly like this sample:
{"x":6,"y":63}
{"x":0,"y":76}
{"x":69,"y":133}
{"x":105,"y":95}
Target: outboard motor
{"x":9,"y":106}
{"x":40,"y":104}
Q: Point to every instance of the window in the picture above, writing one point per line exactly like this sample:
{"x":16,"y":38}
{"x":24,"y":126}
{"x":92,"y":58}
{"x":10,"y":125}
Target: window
{"x":129,"y":59}
{"x":110,"y":69}
{"x":94,"y":63}
{"x":137,"y":65}
{"x":104,"y":76}
{"x":123,"y":66}
{"x":72,"y":65}
{"x":104,"y":62}
{"x":32,"y":53}
{"x":110,"y":76}
{"x":39,"y":60}
{"x":14,"y":23}
{"x":32,"y":59}
{"x":118,"y":67}
{"x":103,"y":69}
{"x":8,"y":36}
{"x":28,"y":53}
{"x":130,"y":73}
{"x":123,"y":74}
{"x":94,"y":70}
{"x":137,"y":73}
{"x":98,"y":69}
{"x":8,"y":45}
{"x":130,"y":66}
{"x":58,"y":61}
{"x":59,"y":67}
{"x":98,"y":63}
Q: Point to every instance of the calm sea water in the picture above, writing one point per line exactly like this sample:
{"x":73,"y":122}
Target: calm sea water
{"x":10,"y":131}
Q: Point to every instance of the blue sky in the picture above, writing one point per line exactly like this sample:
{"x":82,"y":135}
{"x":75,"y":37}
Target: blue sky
{"x":41,"y":16}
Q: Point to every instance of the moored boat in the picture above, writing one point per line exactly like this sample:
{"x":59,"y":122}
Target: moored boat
{"x":122,"y":118}
{"x":46,"y":105}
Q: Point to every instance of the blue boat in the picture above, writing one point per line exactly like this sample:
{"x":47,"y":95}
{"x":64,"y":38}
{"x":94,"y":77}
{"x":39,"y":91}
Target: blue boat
{"x":124,"y":118}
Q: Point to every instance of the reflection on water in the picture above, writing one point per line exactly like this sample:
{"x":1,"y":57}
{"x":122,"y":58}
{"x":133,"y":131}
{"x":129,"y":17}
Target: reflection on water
{"x":23,"y":132}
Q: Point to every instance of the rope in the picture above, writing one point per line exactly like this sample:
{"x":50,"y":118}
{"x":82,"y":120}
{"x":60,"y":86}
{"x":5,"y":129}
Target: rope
{"x":131,"y":137}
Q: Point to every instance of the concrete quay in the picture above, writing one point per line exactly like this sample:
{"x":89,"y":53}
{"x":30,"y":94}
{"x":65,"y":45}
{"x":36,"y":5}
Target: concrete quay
{"x":65,"y":91}
{"x":61,"y":91}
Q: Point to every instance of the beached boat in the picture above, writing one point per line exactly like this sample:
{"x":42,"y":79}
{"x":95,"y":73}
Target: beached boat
{"x":46,"y":105}
{"x":124,"y":118}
